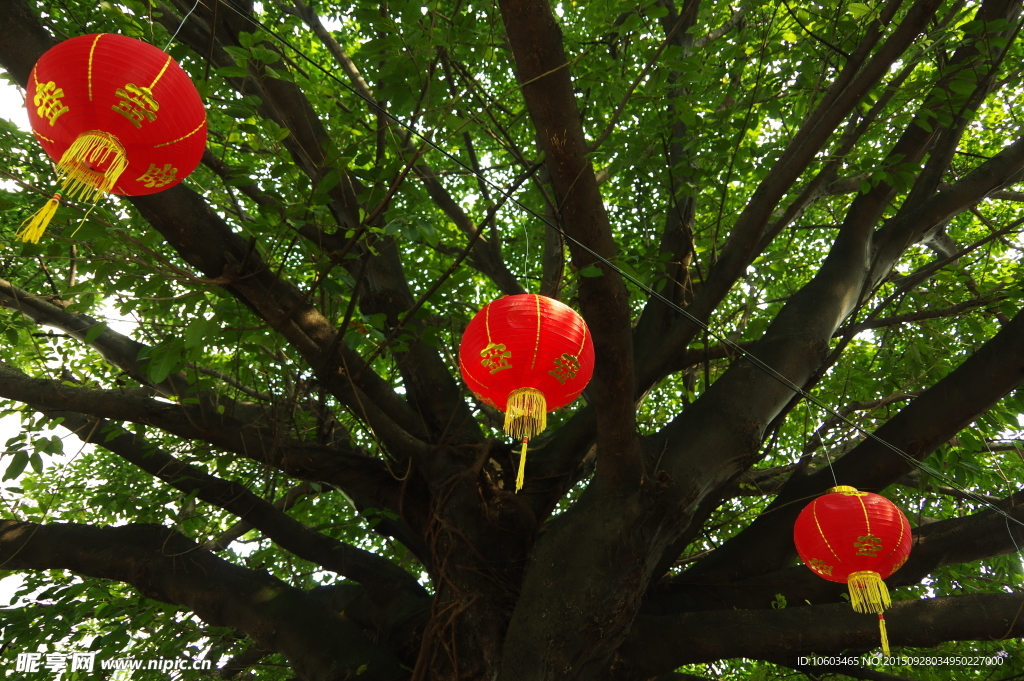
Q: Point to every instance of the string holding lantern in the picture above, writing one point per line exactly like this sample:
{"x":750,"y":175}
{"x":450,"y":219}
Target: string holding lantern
{"x":526,"y":355}
{"x":116,"y":115}
{"x":859,"y":538}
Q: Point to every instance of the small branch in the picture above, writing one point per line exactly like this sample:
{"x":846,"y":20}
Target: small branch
{"x":287,"y":500}
{"x":684,"y":18}
{"x":733,"y":21}
{"x":932,"y":313}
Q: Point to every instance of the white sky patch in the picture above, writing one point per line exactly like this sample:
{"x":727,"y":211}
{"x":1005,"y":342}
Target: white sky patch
{"x":12,"y":105}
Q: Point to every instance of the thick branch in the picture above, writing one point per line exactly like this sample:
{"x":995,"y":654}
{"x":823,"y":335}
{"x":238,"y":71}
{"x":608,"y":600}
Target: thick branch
{"x":378,"y":574}
{"x":660,"y":644}
{"x":161,"y":564}
{"x":979,"y":536}
{"x":542,"y":68}
{"x":364,"y":476}
{"x":858,"y":76}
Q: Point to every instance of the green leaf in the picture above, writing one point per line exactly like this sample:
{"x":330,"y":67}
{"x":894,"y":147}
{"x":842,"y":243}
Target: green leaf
{"x":199,"y":330}
{"x":858,"y":10}
{"x":591,"y":271}
{"x":239,"y":53}
{"x":232,"y":71}
{"x":17,"y":465}
{"x":962,"y":87}
{"x":428,"y":232}
{"x":163,"y":360}
{"x":278,"y":74}
{"x":94,"y":332}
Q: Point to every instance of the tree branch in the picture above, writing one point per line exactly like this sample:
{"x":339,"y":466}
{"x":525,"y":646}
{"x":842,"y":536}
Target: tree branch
{"x":542,"y":68}
{"x":361,"y":475}
{"x":979,"y":536}
{"x":166,"y":566}
{"x":660,"y":644}
{"x":858,"y":76}
{"x":927,"y":422}
{"x":382,"y":577}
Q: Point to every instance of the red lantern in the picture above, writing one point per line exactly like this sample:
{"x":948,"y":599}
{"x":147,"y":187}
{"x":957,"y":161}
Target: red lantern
{"x":526,"y":355}
{"x":855,"y":537}
{"x":116,"y":115}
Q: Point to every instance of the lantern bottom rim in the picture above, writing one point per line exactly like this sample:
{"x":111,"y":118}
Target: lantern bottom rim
{"x":525,"y":413}
{"x":868,"y":593}
{"x":91,"y":165}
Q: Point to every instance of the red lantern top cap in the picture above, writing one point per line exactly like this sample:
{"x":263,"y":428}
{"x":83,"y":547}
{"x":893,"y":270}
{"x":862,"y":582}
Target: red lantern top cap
{"x":844,"y":489}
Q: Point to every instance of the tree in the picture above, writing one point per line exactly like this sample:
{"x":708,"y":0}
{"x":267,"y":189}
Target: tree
{"x":288,"y":471}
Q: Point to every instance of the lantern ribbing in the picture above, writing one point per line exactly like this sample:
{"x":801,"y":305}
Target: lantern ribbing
{"x":526,"y":355}
{"x":858,"y":538}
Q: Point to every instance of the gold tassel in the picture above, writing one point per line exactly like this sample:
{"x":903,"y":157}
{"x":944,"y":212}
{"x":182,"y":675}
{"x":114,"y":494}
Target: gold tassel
{"x":76,"y":168}
{"x":521,"y":475}
{"x":885,"y":636}
{"x":868,"y":592}
{"x":36,"y":224}
{"x":79,"y":178}
{"x":526,"y":413}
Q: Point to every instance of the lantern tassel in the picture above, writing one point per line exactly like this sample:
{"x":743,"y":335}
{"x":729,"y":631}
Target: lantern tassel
{"x":521,"y":475}
{"x":525,"y":413}
{"x":868,"y":592}
{"x":91,"y":165}
{"x":32,"y":229}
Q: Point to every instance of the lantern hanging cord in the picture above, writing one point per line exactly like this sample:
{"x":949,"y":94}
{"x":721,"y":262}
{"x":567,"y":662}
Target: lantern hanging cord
{"x":828,"y":457}
{"x":183,"y":20}
{"x":759,"y":364}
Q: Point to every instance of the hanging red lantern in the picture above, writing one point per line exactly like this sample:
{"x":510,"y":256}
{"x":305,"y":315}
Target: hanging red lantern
{"x":116,"y":115}
{"x":526,"y":355}
{"x":858,"y":538}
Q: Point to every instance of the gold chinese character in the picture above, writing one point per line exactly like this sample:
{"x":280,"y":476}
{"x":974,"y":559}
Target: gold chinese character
{"x":868,"y":545}
{"x":137,"y":104}
{"x":820,"y":566}
{"x":496,"y":357}
{"x":566,"y":367}
{"x":47,"y":100}
{"x":158,"y":177}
